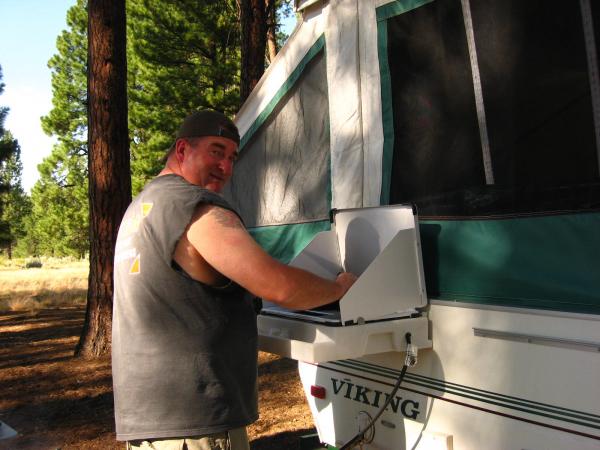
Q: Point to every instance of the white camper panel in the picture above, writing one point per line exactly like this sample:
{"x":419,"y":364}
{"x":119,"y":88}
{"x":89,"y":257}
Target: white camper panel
{"x":382,"y":246}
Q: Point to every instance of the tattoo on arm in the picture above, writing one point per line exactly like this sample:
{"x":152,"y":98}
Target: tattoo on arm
{"x":226,"y":218}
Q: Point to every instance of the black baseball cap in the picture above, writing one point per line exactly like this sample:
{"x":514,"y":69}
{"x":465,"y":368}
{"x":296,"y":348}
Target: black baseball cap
{"x":208,"y":123}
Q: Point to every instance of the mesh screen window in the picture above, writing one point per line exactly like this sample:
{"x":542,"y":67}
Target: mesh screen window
{"x":538,"y":107}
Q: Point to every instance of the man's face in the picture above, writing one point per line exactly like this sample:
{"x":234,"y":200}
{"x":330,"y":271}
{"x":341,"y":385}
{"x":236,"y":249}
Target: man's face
{"x":207,"y":161}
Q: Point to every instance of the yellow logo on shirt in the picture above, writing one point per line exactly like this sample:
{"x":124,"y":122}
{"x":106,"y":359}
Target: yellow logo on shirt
{"x":125,"y":249}
{"x":135,"y":267}
{"x":146,"y":207}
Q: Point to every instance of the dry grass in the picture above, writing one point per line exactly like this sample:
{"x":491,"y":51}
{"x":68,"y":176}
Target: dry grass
{"x":57,"y":283}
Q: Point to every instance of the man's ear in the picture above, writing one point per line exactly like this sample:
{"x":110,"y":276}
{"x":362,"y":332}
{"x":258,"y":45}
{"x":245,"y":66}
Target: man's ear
{"x":180,"y":149}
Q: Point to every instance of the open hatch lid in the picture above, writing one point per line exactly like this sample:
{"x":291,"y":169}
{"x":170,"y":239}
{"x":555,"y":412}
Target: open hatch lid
{"x":381,"y":246}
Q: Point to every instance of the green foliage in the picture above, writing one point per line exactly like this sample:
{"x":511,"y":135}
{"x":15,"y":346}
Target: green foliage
{"x":283,"y":10}
{"x":4,"y":151}
{"x":183,"y":56}
{"x":14,"y":203}
{"x":6,"y":146}
{"x":68,"y":118}
{"x":58,"y":223}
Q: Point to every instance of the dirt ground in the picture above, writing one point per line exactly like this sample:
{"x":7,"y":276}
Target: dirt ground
{"x":56,"y":401}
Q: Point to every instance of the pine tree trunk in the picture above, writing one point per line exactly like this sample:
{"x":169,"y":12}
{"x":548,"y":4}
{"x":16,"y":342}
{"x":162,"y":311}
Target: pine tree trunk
{"x":108,"y":164}
{"x":271,"y":30}
{"x":253,"y":22}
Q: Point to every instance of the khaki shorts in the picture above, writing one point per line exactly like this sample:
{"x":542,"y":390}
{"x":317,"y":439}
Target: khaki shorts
{"x":236,"y":439}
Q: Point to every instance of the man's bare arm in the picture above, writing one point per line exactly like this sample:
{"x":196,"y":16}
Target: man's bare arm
{"x":221,"y":239}
{"x":225,"y":218}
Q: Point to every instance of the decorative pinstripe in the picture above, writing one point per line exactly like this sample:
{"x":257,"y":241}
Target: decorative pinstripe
{"x":506,"y":405}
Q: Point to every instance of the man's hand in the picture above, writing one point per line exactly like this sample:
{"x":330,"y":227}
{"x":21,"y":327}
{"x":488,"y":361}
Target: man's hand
{"x":346,"y":280}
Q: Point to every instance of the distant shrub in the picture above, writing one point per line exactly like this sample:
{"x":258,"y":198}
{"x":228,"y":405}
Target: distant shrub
{"x":11,"y":264}
{"x":33,"y":264}
{"x":20,"y":304}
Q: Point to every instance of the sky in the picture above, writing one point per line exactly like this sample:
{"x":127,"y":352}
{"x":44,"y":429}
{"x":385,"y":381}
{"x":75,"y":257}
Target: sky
{"x":28,"y":32}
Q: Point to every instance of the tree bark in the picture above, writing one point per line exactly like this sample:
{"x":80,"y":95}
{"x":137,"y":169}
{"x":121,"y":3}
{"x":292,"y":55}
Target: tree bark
{"x":108,"y":164}
{"x":253,"y":23}
{"x":271,"y":30}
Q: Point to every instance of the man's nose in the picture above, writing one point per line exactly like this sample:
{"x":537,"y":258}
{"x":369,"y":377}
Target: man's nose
{"x":226,"y":167}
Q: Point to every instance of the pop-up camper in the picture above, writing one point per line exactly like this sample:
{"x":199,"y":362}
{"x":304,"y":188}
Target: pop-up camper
{"x":448,"y":152}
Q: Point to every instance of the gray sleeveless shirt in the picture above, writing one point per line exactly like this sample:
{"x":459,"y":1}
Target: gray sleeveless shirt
{"x":183,"y":354}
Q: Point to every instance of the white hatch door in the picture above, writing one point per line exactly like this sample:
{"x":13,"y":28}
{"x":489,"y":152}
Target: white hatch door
{"x":381,"y":245}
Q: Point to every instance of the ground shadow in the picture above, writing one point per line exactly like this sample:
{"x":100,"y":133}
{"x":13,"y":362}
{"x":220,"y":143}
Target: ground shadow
{"x":278,"y":366}
{"x":54,"y":400}
{"x":306,"y":439}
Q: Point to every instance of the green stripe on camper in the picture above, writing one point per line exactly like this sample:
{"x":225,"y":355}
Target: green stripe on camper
{"x":547,"y":262}
{"x":284,"y":242}
{"x":283,"y":90}
{"x":387,"y":114}
{"x":398,"y":7}
{"x":505,"y":262}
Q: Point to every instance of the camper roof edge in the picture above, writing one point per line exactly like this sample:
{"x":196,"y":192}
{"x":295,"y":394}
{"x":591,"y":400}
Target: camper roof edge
{"x":301,"y":5}
{"x":308,"y":31}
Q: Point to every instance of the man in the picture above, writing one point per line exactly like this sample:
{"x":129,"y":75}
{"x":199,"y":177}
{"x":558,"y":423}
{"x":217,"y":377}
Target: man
{"x":184,"y":333}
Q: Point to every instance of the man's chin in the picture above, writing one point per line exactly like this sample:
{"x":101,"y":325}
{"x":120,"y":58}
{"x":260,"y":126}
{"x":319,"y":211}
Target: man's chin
{"x":214,"y":187}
